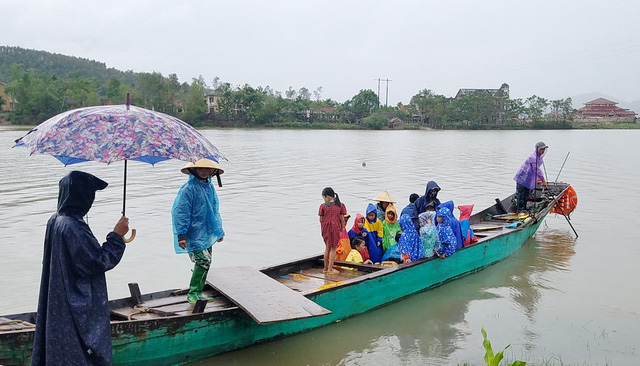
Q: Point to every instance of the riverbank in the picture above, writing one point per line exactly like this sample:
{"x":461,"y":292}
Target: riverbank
{"x":300,"y":125}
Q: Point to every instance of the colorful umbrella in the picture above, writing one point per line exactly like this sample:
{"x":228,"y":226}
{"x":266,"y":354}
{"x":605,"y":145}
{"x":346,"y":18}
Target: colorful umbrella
{"x":118,"y":132}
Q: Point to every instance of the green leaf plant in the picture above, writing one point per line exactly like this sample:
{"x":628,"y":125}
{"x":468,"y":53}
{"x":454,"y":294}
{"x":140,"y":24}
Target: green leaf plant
{"x":494,"y":360}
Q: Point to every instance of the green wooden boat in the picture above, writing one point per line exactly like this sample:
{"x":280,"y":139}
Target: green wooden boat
{"x":163,"y":329}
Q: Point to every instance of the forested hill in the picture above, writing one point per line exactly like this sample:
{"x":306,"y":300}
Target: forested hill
{"x":60,"y":65}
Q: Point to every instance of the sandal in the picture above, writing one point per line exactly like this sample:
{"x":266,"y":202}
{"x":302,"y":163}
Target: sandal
{"x":332,"y":272}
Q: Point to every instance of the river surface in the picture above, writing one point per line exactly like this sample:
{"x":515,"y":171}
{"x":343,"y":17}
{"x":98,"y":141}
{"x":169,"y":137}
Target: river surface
{"x":558,"y":301}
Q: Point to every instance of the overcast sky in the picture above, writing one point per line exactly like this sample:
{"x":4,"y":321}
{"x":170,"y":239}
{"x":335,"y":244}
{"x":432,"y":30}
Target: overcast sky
{"x":553,"y":49}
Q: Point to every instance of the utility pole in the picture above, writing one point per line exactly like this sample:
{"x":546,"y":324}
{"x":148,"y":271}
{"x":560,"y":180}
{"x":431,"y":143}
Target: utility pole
{"x":386,"y":100}
{"x":379,"y":80}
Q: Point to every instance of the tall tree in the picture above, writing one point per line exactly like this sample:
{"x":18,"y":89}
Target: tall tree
{"x":363,"y":103}
{"x":195,"y":104}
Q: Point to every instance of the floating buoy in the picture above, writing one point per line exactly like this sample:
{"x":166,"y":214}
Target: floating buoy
{"x":364,"y":164}
{"x":566,"y":203}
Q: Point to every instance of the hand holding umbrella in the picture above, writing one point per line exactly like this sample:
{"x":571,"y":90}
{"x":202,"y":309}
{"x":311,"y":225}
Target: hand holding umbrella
{"x":122,"y":227}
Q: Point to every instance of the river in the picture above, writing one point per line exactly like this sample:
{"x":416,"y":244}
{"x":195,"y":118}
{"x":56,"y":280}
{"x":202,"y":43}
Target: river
{"x":557,"y":301}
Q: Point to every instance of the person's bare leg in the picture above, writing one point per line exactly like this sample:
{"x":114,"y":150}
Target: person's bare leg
{"x":327,"y":253}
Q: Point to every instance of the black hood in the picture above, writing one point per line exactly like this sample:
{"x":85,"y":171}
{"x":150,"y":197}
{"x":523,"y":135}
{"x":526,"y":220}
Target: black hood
{"x":77,"y":192}
{"x":431,"y":185}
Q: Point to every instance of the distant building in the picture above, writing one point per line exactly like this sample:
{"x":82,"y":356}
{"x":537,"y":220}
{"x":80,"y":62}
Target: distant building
{"x":9,"y":103}
{"x":213,"y":101}
{"x":603,"y":110}
{"x":464,"y":92}
{"x":501,"y":95}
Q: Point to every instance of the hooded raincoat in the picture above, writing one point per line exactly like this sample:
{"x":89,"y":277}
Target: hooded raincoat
{"x":428,"y":232}
{"x":530,"y":171}
{"x":390,"y":228}
{"x":72,"y":324}
{"x":374,"y":238}
{"x":344,"y":244}
{"x":409,"y":243}
{"x":453,"y":223}
{"x":465,"y":225}
{"x":196,"y":216}
{"x":363,"y":233}
{"x":420,"y":205}
{"x":447,"y":238}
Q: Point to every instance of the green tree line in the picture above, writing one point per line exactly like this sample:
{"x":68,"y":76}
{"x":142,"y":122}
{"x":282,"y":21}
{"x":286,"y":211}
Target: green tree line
{"x":44,"y":84}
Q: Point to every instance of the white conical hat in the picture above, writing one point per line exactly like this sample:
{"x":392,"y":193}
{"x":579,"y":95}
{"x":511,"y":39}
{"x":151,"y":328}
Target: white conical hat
{"x":384,"y":197}
{"x":202,"y":163}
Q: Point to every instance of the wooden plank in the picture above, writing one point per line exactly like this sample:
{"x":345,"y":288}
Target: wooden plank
{"x":263,"y":298}
{"x":7,"y":324}
{"x":344,"y":275}
{"x":300,"y":283}
{"x":484,"y":228}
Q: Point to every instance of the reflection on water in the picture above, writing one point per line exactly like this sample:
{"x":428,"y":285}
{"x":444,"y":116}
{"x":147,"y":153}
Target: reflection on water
{"x":556,"y":298}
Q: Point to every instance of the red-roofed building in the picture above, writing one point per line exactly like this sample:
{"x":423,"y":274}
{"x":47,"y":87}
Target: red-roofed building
{"x":603,"y":110}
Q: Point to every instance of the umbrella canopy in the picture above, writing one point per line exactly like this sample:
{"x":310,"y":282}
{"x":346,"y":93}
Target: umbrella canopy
{"x":118,"y":132}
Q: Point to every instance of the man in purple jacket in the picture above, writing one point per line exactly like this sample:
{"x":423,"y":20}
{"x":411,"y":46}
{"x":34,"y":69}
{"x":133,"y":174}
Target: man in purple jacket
{"x":528,"y":174}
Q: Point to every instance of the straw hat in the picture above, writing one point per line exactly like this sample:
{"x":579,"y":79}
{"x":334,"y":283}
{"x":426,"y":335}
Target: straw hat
{"x":384,"y":197}
{"x":202,"y":163}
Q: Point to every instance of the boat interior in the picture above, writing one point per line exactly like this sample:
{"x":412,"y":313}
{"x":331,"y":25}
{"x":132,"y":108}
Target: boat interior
{"x":304,"y":277}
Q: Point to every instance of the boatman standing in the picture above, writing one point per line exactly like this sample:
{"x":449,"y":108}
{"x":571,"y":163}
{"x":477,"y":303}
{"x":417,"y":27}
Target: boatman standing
{"x":528,"y":174}
{"x":197,"y":224}
{"x":72,"y":323}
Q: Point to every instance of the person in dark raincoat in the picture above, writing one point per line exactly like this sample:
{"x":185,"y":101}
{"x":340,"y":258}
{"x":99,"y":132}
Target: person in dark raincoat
{"x":72,"y":323}
{"x":420,"y":205}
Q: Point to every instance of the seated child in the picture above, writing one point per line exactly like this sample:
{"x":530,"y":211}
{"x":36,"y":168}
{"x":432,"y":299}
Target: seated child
{"x":453,"y":223}
{"x":448,"y":240}
{"x":409,"y":245}
{"x":428,"y":232}
{"x":357,"y":247}
{"x":390,"y":228}
{"x":375,"y":233}
{"x":344,"y":244}
{"x":465,"y":225}
{"x":358,"y":230}
{"x":393,"y":254}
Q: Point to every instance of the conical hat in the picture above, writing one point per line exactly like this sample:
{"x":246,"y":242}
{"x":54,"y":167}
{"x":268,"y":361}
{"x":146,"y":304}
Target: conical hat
{"x":384,"y":197}
{"x":202,"y":163}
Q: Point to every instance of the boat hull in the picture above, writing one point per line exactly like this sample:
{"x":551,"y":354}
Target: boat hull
{"x":204,"y":336}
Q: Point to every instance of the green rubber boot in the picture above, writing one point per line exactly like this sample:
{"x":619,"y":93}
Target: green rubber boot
{"x":198,"y":280}
{"x":203,"y":281}
{"x":195,"y":290}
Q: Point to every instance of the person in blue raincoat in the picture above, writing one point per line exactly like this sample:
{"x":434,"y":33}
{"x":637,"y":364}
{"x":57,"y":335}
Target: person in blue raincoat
{"x":72,"y":322}
{"x":409,"y":245}
{"x":452,"y":222}
{"x":197,"y":224}
{"x":446,"y":235}
{"x":375,"y":233}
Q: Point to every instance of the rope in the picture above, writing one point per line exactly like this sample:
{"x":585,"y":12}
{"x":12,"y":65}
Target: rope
{"x":139,"y":309}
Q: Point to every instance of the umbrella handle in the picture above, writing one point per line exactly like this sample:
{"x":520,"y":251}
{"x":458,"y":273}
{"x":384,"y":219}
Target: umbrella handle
{"x":130,"y":239}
